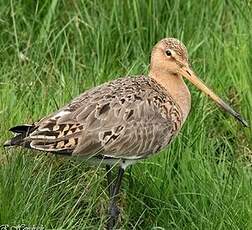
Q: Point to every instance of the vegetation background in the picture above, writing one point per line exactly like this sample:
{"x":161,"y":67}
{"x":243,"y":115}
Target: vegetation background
{"x":50,"y":51}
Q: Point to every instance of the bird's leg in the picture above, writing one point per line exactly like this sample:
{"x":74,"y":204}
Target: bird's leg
{"x":113,"y":210}
{"x":109,"y":179}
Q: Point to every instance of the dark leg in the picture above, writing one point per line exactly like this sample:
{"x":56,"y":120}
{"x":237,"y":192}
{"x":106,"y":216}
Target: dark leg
{"x":109,"y":180}
{"x":113,"y":210}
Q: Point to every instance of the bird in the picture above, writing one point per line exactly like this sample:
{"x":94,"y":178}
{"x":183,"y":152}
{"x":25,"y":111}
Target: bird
{"x":125,"y":120}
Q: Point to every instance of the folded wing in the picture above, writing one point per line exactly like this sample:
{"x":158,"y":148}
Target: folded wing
{"x":126,"y":118}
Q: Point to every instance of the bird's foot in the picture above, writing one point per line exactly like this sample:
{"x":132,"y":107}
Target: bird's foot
{"x":113,"y":213}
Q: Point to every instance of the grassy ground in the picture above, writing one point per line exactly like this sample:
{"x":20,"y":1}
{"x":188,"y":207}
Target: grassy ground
{"x":50,"y":51}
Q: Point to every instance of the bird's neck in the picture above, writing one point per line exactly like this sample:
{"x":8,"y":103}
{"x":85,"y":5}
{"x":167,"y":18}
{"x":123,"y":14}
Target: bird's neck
{"x":176,"y":87}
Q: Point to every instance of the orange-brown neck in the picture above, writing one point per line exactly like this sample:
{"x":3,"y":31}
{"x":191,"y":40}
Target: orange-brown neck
{"x":175,"y":87}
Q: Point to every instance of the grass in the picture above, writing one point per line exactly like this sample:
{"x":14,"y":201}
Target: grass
{"x":50,"y":51}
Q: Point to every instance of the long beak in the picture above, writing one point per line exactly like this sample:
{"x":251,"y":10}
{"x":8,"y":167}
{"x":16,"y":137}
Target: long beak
{"x":189,"y":74}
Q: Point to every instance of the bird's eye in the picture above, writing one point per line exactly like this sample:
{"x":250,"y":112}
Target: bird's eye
{"x":168,"y":53}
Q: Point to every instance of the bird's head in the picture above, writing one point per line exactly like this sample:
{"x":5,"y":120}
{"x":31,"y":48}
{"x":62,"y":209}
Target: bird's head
{"x":169,"y":57}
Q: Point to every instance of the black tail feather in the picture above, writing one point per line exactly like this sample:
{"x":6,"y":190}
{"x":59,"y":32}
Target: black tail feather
{"x":17,"y":140}
{"x":22,"y":132}
{"x":22,"y":129}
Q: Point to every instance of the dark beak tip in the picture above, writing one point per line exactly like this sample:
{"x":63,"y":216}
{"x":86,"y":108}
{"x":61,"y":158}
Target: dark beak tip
{"x":243,"y":121}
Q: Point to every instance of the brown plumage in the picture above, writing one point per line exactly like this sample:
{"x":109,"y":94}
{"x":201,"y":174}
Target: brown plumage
{"x":128,"y":118}
{"x":124,"y":120}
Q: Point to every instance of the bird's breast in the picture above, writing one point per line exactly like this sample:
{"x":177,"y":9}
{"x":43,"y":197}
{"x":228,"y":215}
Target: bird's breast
{"x":177,"y":93}
{"x":174,"y":114}
{"x":183,"y":99}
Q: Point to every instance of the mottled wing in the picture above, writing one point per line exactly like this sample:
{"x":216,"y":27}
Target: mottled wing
{"x":126,"y":118}
{"x":125,"y":131}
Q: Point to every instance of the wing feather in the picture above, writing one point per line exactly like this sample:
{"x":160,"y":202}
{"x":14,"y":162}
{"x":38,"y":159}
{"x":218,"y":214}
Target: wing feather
{"x":125,"y":118}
